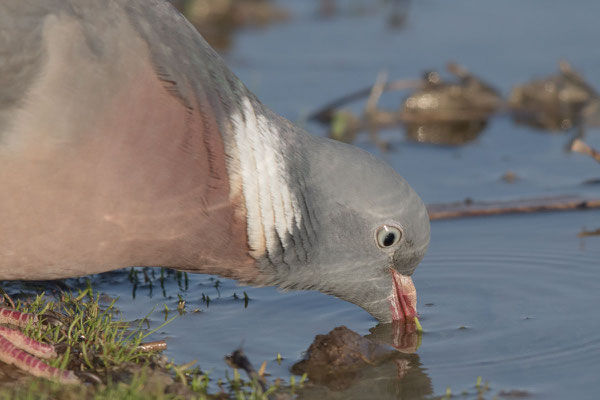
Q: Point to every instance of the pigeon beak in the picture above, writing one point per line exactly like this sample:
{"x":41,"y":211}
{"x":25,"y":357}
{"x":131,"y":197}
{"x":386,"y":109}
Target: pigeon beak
{"x":403,"y":299}
{"x":388,"y":297}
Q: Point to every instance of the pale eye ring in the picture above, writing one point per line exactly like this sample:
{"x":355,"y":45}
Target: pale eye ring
{"x":387,"y":236}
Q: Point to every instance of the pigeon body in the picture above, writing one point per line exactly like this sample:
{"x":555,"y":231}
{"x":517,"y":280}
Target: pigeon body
{"x":126,"y":141}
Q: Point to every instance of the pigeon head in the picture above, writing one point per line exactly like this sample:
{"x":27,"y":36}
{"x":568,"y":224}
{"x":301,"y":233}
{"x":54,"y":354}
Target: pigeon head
{"x":328,"y":216}
{"x":372,"y":230}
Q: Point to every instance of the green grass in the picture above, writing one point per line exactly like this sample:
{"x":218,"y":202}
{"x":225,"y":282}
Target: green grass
{"x":143,"y":385}
{"x":92,"y":339}
{"x":104,"y":351}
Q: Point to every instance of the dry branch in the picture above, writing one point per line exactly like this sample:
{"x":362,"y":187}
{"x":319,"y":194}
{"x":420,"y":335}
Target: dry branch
{"x":370,"y":113}
{"x":479,"y":209}
{"x":581,"y":147}
{"x":325,"y":113}
{"x":585,"y":233}
{"x":159,"y":345}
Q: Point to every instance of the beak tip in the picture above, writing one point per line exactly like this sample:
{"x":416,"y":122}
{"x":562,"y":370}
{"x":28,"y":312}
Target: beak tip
{"x":418,"y":325}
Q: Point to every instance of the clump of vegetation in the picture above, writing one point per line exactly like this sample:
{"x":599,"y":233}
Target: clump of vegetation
{"x":217,"y":20}
{"x":112,"y":359}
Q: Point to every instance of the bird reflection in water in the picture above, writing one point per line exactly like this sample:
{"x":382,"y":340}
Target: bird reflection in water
{"x":382,"y":365}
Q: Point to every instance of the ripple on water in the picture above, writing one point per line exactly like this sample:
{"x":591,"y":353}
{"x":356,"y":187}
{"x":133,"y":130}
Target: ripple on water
{"x":518,"y":301}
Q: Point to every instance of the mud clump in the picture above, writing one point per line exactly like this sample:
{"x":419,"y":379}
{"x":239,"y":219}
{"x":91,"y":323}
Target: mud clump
{"x":345,"y":365}
{"x":217,"y":20}
{"x":335,"y":359}
{"x":557,"y":102}
{"x":449,"y":113}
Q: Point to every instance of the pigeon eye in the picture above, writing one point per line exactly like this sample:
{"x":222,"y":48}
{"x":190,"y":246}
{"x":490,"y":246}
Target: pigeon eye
{"x":387,"y":236}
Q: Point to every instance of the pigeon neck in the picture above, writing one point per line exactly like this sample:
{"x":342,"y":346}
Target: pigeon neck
{"x":277,"y":215}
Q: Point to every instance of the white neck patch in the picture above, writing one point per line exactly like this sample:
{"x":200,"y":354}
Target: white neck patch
{"x":272,"y":209}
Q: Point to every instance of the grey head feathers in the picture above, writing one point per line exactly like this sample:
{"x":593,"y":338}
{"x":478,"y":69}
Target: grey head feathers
{"x":349,"y":195}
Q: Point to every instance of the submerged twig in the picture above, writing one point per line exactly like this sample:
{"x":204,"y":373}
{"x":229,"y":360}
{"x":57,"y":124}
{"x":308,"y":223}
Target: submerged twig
{"x":470,"y":208}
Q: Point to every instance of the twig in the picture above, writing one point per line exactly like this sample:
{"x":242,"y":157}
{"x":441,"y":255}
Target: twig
{"x":458,"y":70}
{"x":324,"y":114}
{"x":376,"y":92}
{"x":569,"y":72}
{"x":6,"y":298}
{"x":585,"y":233}
{"x":580,"y":146}
{"x":238,"y":359}
{"x":159,"y":345}
{"x":480,"y":209}
{"x":371,"y":112}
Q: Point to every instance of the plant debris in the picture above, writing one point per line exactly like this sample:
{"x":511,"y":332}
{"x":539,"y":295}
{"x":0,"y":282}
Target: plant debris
{"x":216,"y":20}
{"x":585,"y":233}
{"x":555,"y":103}
{"x":454,"y":112}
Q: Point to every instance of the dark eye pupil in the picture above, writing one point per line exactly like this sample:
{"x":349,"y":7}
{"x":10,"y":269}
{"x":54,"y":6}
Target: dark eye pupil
{"x":389,"y":239}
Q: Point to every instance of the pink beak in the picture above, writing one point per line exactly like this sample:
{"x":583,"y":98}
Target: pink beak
{"x":403,"y":300}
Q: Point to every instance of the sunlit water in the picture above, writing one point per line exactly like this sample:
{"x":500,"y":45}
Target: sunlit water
{"x":513,"y":299}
